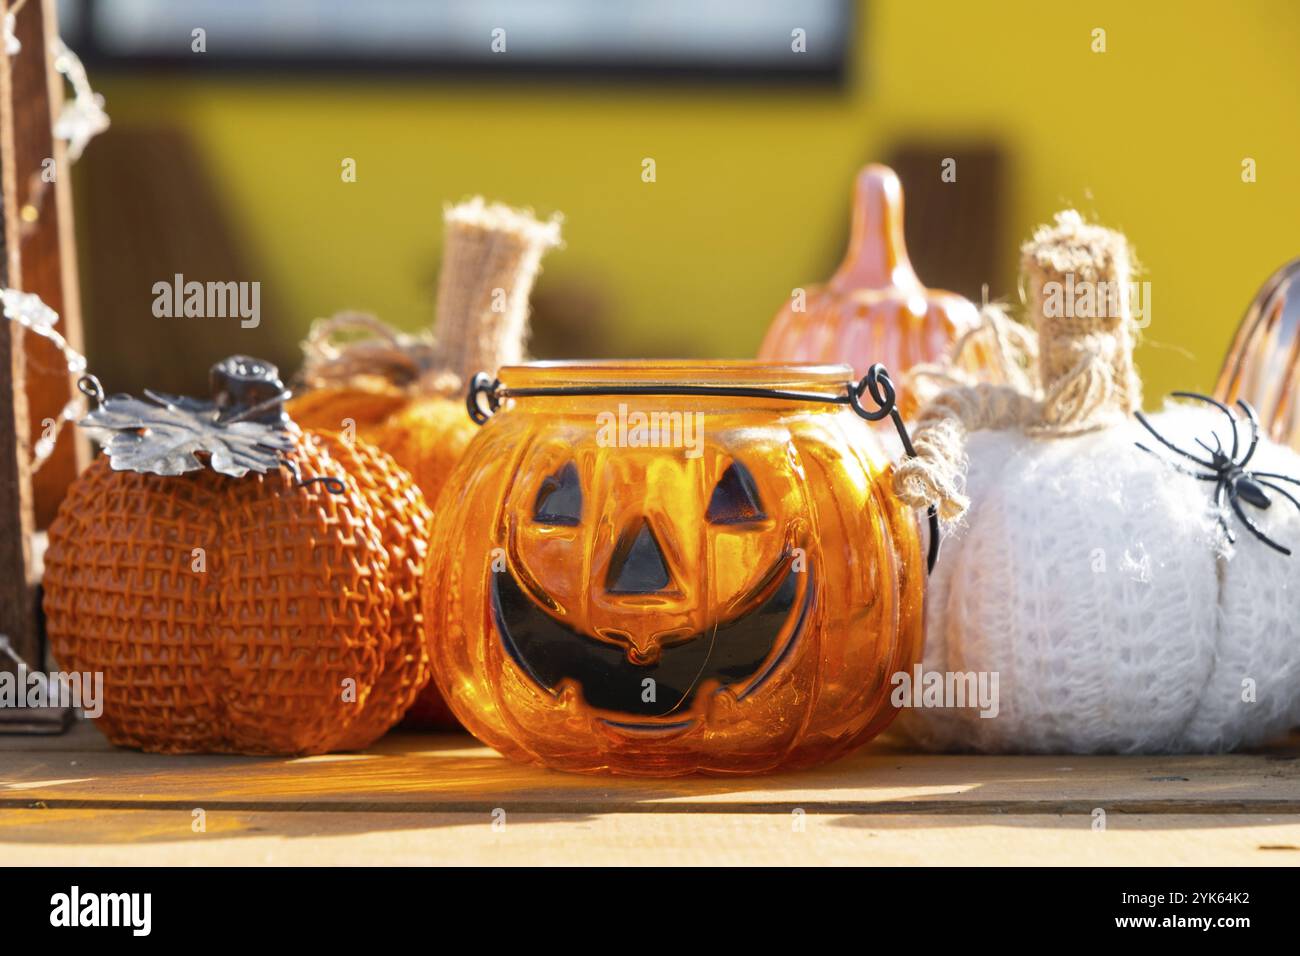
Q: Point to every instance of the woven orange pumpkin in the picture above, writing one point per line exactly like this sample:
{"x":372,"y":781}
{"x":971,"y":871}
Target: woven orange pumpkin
{"x":874,"y":309}
{"x":734,"y":604}
{"x":238,"y":612}
{"x":405,"y":393}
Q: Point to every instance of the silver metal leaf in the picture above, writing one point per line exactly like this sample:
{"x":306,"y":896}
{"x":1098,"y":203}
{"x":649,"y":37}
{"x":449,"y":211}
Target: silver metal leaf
{"x":170,"y":435}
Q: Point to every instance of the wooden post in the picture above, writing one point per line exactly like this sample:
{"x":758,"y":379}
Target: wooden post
{"x":38,"y":256}
{"x":49,"y":264}
{"x":17,"y":581}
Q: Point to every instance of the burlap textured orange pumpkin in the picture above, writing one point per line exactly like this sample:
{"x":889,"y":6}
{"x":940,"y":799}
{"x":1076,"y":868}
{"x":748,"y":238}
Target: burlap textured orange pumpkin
{"x":406,"y":393}
{"x":238,"y":612}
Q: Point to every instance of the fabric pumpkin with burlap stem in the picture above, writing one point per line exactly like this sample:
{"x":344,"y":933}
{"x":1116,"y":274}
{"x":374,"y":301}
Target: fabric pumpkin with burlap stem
{"x":406,"y":393}
{"x":1095,"y":577}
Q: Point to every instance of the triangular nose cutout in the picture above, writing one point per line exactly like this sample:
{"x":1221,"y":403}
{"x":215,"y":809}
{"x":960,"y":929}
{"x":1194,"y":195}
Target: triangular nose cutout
{"x":638,"y":564}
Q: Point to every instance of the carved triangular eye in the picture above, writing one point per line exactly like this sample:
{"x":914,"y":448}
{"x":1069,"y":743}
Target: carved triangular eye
{"x":735,"y":499}
{"x":559,"y":500}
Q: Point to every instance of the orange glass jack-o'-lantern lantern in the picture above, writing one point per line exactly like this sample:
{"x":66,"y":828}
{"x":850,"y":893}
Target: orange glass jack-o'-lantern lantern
{"x":244,"y":586}
{"x":661,"y":568}
{"x":1263,"y":364}
{"x":874,"y":309}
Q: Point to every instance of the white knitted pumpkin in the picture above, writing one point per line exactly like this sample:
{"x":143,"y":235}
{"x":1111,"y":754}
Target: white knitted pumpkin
{"x":1095,"y":578}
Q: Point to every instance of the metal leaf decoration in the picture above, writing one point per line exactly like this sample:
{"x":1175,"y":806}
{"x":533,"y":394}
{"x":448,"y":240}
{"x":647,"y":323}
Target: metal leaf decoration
{"x":168,"y":435}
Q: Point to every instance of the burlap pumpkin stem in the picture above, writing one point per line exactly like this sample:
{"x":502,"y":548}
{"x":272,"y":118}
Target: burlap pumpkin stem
{"x":1085,"y":377}
{"x":404,"y":392}
{"x":493,"y":256}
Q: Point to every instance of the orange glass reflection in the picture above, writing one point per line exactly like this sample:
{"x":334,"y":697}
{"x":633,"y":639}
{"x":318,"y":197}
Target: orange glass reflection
{"x":874,"y":309}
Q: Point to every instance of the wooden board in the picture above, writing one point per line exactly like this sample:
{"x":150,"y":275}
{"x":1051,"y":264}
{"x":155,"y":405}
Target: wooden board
{"x":17,"y":518}
{"x":38,"y":257}
{"x":47,"y":248}
{"x":166,"y":838}
{"x":435,"y":798}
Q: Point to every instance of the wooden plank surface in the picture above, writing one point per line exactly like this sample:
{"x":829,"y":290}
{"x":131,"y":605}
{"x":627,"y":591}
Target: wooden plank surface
{"x":452,"y":772}
{"x":434,"y":798}
{"x":166,"y":838}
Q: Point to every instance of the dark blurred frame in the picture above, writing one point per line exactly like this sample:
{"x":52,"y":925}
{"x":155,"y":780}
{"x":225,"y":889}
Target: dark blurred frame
{"x":830,"y":71}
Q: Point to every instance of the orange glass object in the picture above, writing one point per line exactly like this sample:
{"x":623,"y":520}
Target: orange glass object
{"x":1263,"y":364}
{"x":661,"y":584}
{"x":243,"y":615}
{"x":874,"y":309}
{"x":425,"y":434}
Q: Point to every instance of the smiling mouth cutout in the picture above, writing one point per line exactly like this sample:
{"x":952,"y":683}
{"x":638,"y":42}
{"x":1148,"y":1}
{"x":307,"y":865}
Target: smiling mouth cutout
{"x":740,"y":654}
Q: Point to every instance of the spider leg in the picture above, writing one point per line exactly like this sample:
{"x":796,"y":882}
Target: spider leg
{"x":1217,"y":444}
{"x":1221,"y":511}
{"x":1254,"y":431}
{"x":1227,"y":412}
{"x":1176,"y":466}
{"x":1254,"y":528}
{"x":1273,"y":474}
{"x":1170,"y":445}
{"x":1280,"y":490}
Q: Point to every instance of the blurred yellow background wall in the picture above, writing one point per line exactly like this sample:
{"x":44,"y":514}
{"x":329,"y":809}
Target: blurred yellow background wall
{"x":752,"y":185}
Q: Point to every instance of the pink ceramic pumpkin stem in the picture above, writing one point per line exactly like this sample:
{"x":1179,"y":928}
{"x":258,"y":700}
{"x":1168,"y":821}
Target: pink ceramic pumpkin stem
{"x":877,"y":255}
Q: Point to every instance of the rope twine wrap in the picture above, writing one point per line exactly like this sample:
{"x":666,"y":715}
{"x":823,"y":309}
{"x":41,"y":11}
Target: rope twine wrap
{"x":1073,"y":374}
{"x":491,"y":258}
{"x":1002,"y":350}
{"x":380,"y":356}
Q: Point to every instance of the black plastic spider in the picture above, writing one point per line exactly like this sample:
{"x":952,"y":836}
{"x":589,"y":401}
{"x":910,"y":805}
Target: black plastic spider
{"x":1233,"y":482}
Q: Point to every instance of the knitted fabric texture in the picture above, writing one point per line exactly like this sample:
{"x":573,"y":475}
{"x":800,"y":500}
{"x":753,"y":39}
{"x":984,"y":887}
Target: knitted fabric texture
{"x":1088,"y":574}
{"x":295,"y":629}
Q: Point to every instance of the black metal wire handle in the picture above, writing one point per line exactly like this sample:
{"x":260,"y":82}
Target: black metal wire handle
{"x":485,"y":396}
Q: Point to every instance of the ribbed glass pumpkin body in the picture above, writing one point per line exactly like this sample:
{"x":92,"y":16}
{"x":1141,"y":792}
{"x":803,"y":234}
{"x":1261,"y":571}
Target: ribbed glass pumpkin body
{"x":243,"y":615}
{"x":1263,"y":365}
{"x":663,"y":584}
{"x":874,"y":309}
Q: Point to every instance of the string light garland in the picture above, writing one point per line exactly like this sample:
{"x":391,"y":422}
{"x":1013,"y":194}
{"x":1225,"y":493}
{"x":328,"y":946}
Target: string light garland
{"x":83,"y":117}
{"x":27,"y":310}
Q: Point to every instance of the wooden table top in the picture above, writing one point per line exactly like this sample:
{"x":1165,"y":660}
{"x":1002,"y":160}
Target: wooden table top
{"x":444,"y":799}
